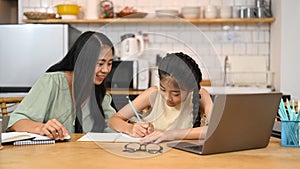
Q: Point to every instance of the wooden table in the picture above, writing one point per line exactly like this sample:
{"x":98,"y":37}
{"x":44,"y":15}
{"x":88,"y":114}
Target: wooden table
{"x":89,"y":155}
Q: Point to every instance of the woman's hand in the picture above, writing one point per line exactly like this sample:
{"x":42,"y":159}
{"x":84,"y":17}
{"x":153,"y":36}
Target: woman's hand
{"x":54,"y":130}
{"x":141,"y":129}
{"x":158,"y":136}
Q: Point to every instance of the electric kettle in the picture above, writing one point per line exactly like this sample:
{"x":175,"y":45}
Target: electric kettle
{"x":132,"y":46}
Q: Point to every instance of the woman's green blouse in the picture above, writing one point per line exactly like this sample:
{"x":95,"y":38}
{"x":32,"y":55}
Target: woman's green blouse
{"x":50,"y":98}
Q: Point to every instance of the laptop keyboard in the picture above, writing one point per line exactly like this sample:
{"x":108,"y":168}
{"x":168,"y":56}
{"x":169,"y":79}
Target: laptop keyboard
{"x":187,"y":145}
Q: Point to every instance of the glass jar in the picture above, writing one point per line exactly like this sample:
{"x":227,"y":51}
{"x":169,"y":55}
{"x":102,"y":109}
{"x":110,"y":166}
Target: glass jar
{"x":106,"y":9}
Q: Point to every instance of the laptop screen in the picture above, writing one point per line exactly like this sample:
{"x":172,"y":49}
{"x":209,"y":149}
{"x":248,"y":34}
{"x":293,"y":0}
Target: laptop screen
{"x":239,"y":122}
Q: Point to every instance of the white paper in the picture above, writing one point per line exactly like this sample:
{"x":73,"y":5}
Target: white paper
{"x":108,"y":137}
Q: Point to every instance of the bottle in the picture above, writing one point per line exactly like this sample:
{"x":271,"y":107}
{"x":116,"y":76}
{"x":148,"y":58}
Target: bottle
{"x":92,"y":11}
{"x":226,"y":71}
{"x":106,"y":9}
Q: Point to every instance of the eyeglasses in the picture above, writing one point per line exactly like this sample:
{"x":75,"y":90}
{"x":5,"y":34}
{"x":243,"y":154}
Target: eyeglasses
{"x":150,"y":148}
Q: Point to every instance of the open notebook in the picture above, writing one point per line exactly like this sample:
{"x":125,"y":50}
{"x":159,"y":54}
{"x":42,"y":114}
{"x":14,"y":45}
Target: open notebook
{"x":26,"y":138}
{"x":238,"y":122}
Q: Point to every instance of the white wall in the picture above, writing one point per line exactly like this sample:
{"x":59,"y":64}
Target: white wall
{"x":242,"y":40}
{"x":285,"y":45}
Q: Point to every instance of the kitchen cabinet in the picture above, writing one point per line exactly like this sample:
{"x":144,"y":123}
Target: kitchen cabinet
{"x":157,"y":20}
{"x":119,"y":97}
{"x":120,"y":100}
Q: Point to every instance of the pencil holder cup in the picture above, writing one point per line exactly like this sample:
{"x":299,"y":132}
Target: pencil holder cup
{"x":290,"y":133}
{"x":0,"y":132}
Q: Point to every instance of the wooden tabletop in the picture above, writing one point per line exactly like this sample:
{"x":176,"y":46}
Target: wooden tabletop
{"x":91,"y":155}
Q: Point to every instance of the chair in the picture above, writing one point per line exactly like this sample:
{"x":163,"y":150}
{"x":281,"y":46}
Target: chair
{"x":205,"y":83}
{"x":8,"y":102}
{"x":7,"y":105}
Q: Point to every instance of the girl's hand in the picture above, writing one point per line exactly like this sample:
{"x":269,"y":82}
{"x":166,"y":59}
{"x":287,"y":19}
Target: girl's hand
{"x":141,"y":129}
{"x":158,"y":136}
{"x":54,"y":130}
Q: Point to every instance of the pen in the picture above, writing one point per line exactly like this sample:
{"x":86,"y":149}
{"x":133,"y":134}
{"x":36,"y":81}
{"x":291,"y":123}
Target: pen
{"x":134,"y":110}
{"x":298,"y":104}
{"x":118,"y":136}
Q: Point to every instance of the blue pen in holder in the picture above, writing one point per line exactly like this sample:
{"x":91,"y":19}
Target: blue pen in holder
{"x":290,"y":121}
{"x":290,"y":133}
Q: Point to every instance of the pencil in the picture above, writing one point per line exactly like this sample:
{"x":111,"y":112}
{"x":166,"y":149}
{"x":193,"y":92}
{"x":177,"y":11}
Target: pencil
{"x":134,"y":110}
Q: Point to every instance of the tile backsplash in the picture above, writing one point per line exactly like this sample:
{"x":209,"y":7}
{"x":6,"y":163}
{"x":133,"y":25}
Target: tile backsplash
{"x":209,"y":43}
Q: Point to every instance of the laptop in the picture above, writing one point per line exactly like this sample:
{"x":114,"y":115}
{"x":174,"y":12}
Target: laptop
{"x":238,"y":122}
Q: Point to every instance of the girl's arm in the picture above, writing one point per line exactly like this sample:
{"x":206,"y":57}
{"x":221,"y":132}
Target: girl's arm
{"x":191,"y":133}
{"x":119,"y":120}
{"x":206,"y":103}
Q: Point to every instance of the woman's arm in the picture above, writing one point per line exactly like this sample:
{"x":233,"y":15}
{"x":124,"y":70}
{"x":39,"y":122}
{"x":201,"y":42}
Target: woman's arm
{"x":119,"y":122}
{"x":31,"y":113}
{"x":28,"y":126}
{"x":53,"y":128}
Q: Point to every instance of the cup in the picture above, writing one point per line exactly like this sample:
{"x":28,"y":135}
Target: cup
{"x":249,"y":12}
{"x":210,"y":11}
{"x":290,"y":133}
{"x":225,"y":12}
{"x":260,"y":3}
{"x":260,"y":12}
{"x":241,"y":12}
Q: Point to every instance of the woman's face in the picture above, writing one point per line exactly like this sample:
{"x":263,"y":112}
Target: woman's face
{"x":104,"y":65}
{"x":171,"y":92}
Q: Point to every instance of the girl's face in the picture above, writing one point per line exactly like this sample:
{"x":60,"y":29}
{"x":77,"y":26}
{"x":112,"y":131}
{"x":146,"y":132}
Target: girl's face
{"x":171,"y":92}
{"x":104,"y":65}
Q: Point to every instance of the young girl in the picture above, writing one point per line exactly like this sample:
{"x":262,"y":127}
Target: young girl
{"x":71,"y":89}
{"x":179,"y":108}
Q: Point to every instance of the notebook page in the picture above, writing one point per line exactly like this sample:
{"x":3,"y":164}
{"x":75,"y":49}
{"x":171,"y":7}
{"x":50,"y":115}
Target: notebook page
{"x":108,"y":137}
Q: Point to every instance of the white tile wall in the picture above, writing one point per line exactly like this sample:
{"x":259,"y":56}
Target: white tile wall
{"x":211,"y":42}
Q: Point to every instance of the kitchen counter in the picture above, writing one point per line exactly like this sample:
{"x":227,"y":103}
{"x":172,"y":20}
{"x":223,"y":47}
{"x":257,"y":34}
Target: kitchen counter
{"x":13,"y":94}
{"x":210,"y":89}
{"x":234,"y":90}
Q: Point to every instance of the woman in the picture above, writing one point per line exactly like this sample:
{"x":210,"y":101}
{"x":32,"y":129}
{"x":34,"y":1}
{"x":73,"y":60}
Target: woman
{"x":71,"y":89}
{"x":179,"y":108}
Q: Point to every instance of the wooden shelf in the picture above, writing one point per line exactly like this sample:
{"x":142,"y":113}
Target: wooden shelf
{"x":155,"y":20}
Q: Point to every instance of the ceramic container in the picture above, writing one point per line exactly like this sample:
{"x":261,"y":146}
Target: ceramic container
{"x":225,"y":12}
{"x":210,"y":11}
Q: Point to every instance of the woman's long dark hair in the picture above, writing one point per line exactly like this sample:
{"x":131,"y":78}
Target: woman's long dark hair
{"x":187,"y":74}
{"x":81,"y":59}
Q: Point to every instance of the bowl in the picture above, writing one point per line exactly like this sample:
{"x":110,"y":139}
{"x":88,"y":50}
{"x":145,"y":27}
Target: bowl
{"x":39,"y":15}
{"x":131,"y":14}
{"x":68,"y":9}
{"x":190,"y":15}
{"x":166,"y":13}
{"x":190,"y":11}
